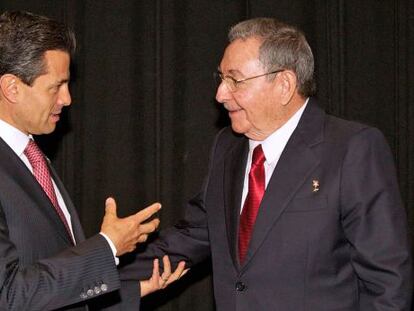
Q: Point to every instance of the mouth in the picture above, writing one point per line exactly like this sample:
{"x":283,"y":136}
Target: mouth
{"x":232,"y":110}
{"x":55,"y":116}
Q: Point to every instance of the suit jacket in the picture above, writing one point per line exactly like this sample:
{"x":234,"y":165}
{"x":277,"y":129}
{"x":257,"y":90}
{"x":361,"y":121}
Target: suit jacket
{"x":331,"y":232}
{"x":39,"y":267}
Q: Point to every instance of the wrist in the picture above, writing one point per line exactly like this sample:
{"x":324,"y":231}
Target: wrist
{"x":112,"y":246}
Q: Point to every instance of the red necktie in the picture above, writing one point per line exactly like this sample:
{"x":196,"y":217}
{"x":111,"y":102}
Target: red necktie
{"x":42,"y":175}
{"x":253,"y":199}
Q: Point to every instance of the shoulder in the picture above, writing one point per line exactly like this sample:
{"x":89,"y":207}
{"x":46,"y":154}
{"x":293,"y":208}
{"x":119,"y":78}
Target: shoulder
{"x":341,"y":130}
{"x":356,"y":141}
{"x":338,"y":134}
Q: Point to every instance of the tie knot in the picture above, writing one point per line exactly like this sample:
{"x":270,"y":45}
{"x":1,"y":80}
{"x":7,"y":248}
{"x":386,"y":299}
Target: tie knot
{"x":33,"y":153}
{"x":258,"y":156}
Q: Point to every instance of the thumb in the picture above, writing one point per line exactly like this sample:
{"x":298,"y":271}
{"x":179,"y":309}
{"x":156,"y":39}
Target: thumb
{"x":110,"y":207}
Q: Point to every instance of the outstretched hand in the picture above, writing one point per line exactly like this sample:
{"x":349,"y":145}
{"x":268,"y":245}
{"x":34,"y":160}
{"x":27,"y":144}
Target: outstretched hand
{"x":126,"y":232}
{"x":157,"y":281}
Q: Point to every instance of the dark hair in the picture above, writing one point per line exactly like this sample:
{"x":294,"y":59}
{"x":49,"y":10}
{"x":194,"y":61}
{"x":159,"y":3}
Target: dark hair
{"x":283,"y":47}
{"x":24,"y":40}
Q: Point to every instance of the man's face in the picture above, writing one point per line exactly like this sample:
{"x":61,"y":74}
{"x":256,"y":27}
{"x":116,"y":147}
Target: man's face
{"x":254,"y":108}
{"x":39,"y":106}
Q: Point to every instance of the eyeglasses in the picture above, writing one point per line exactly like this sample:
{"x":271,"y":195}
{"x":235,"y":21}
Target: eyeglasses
{"x":233,"y":84}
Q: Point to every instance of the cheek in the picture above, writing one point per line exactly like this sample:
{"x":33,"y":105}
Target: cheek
{"x":47,"y":104}
{"x":244,"y":100}
{"x":252,"y":109}
{"x":41,"y":115}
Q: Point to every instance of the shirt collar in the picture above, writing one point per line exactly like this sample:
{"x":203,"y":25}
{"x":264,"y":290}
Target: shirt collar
{"x":13,"y":137}
{"x":276,"y":142}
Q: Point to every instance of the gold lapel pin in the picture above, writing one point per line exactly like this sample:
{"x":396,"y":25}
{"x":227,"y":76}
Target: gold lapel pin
{"x":315,"y":185}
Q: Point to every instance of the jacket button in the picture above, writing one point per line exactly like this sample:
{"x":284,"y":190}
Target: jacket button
{"x":240,"y":286}
{"x":104,"y":287}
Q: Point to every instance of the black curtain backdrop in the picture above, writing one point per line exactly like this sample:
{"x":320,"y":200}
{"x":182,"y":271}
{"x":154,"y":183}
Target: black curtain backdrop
{"x":144,"y":115}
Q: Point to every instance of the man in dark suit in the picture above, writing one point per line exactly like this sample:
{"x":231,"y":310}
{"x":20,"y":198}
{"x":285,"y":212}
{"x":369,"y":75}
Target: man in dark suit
{"x":299,"y":210}
{"x":45,"y":261}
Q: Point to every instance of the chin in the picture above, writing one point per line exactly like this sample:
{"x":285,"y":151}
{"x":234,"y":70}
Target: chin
{"x":239,"y":129}
{"x":48,"y":130}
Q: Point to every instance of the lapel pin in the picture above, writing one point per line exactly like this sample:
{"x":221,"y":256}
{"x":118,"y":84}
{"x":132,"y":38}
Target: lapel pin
{"x":315,"y":185}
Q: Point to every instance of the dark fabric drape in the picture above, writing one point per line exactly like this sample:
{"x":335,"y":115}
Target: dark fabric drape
{"x":144,"y":115}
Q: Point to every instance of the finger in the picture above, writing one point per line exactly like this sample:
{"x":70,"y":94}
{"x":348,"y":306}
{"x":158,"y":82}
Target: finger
{"x":131,"y":248}
{"x":165,"y":276}
{"x":149,"y":226}
{"x":155,"y":270}
{"x":142,"y":238}
{"x":179,"y":272}
{"x":167,"y":267}
{"x":147,"y":212}
{"x":110,"y":207}
{"x":180,"y":269}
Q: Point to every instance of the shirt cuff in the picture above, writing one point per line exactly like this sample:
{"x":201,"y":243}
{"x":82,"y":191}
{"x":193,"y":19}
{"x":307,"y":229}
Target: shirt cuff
{"x":113,"y":248}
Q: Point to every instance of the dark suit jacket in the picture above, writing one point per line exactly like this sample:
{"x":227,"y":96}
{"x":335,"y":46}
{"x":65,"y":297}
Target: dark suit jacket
{"x":341,"y":247}
{"x":39,"y":270}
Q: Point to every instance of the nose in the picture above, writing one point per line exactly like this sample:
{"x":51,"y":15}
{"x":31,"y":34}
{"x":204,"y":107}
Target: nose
{"x":65,"y":98}
{"x":223,"y":93}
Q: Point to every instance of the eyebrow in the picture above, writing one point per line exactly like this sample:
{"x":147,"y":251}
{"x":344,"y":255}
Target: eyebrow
{"x":63,"y":81}
{"x":59,"y":83}
{"x":232,"y":72}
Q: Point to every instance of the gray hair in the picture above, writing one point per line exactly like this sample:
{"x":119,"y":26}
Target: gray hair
{"x":24,"y":40}
{"x":283,"y":47}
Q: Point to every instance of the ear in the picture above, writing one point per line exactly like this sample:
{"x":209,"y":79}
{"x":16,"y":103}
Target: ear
{"x":287,"y":85}
{"x":9,"y":87}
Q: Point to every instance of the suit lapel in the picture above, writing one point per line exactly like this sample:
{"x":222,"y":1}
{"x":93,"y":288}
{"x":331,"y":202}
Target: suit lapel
{"x":297,"y":161}
{"x":17,"y":170}
{"x":234,"y":169}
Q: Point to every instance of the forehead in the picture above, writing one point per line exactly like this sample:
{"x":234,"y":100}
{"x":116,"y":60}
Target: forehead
{"x":241,"y":55}
{"x":57,"y":62}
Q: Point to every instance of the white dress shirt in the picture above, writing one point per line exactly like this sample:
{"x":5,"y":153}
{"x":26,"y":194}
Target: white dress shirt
{"x":273,"y":147}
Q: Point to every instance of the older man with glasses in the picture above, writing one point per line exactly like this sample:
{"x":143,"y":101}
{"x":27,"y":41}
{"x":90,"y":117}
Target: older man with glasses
{"x":300,"y":210}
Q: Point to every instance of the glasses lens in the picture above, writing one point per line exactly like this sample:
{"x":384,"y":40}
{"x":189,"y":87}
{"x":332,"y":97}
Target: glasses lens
{"x":216,"y":81}
{"x":230,"y":83}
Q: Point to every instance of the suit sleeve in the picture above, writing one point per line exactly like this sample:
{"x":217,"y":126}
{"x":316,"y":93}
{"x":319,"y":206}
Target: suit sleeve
{"x":76,"y":274}
{"x":187,"y":241}
{"x":375,"y":224}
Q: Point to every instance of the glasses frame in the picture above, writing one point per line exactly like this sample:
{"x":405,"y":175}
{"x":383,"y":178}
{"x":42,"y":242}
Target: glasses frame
{"x":236,"y":82}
